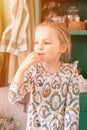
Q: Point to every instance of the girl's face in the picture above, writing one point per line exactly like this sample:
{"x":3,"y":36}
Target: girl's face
{"x":47,"y":44}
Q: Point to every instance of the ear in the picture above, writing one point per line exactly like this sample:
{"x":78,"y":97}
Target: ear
{"x":63,"y":48}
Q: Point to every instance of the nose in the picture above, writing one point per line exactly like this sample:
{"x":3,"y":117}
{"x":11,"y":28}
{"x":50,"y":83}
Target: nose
{"x":40,"y":46}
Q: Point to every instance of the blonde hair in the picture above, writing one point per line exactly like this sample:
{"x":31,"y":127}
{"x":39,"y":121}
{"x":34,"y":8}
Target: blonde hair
{"x":63,"y":35}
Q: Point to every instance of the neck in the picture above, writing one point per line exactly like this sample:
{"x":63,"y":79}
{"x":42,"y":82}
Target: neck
{"x":51,"y":67}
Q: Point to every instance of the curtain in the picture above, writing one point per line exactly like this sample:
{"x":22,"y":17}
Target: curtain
{"x":4,"y":57}
{"x":15,"y":36}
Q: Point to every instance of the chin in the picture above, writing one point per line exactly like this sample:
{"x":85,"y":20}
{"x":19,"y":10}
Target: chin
{"x":42,"y":60}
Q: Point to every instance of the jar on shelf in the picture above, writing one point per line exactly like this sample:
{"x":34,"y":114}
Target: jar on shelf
{"x":72,"y":14}
{"x":85,"y":23}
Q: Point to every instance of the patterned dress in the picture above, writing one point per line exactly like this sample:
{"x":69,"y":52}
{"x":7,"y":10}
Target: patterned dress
{"x":54,"y":98}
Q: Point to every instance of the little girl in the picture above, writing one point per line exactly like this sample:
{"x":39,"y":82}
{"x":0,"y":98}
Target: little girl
{"x":51,"y":81}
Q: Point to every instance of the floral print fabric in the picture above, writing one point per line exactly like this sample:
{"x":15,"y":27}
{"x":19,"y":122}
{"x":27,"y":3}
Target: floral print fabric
{"x":54,"y":98}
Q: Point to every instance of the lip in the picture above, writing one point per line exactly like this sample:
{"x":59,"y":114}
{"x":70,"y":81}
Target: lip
{"x":40,"y":53}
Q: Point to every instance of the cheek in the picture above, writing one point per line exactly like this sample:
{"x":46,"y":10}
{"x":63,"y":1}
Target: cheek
{"x":54,"y":49}
{"x":55,"y":52}
{"x":35,"y":48}
{"x":51,"y":53}
{"x":49,"y":50}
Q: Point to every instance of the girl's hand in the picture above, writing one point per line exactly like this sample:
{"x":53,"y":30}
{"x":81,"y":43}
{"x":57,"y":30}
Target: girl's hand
{"x":29,"y":60}
{"x":32,"y":58}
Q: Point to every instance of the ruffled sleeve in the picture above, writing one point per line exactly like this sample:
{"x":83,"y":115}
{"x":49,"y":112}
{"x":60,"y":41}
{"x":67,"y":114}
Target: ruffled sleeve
{"x":16,"y":92}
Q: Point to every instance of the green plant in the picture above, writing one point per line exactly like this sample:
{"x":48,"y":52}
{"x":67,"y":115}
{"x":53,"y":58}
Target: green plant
{"x":7,"y":124}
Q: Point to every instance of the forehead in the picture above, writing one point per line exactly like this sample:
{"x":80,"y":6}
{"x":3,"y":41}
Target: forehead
{"x":45,"y":31}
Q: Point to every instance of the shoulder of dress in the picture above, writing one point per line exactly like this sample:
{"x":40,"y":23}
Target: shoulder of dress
{"x":74,"y":67}
{"x":70,"y":67}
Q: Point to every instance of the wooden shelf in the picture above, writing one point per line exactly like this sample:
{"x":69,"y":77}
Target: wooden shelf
{"x":45,"y":1}
{"x":78,"y":32}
